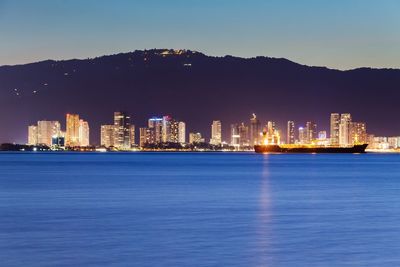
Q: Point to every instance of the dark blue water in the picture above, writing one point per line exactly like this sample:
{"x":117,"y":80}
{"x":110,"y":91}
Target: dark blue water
{"x":172,"y":209}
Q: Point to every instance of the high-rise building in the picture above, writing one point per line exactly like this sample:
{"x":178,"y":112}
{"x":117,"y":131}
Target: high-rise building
{"x":166,"y":128}
{"x":271,"y":134}
{"x":311,"y":128}
{"x":244,"y":135}
{"x":132,"y":134}
{"x":46,"y":130}
{"x":84,"y":133}
{"x":334,"y":133}
{"x":122,"y":137}
{"x":345,"y":130}
{"x":235,"y":136}
{"x":216,"y":133}
{"x":270,"y":128}
{"x":290,"y":136}
{"x":358,"y":133}
{"x":394,"y":142}
{"x":145,"y":136}
{"x":303,"y":135}
{"x":107,"y":135}
{"x":255,"y":130}
{"x":181,"y":132}
{"x":195,"y":138}
{"x":33,"y":135}
{"x":72,"y":133}
{"x":155,"y":124}
{"x":174,"y":133}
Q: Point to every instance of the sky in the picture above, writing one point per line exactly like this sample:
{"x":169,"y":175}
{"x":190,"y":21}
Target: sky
{"x":341,"y":34}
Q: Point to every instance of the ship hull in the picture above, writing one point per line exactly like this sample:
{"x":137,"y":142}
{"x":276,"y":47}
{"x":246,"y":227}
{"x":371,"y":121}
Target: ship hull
{"x":306,"y":149}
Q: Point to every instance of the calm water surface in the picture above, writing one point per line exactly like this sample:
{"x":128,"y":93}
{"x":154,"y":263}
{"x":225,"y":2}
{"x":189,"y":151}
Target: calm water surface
{"x":200,"y":209}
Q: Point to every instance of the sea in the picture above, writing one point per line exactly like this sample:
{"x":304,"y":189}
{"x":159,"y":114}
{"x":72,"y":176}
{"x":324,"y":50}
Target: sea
{"x":199,"y":209}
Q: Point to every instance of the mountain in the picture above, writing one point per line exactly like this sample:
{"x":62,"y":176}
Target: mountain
{"x":195,"y":88}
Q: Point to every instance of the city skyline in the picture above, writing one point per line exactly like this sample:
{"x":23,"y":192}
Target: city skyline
{"x":163,"y":130}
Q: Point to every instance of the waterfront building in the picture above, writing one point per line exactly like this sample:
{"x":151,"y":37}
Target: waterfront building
{"x":132,"y":135}
{"x":334,"y":131}
{"x":195,"y":138}
{"x":122,"y":139}
{"x":166,"y":129}
{"x":145,"y":136}
{"x":84,"y":133}
{"x":216,"y":133}
{"x":311,"y":129}
{"x":244,"y":140}
{"x":181,"y":132}
{"x":290,"y":135}
{"x":345,"y":129}
{"x":271,"y":134}
{"x":370,"y":141}
{"x":174,"y":132}
{"x":394,"y":142}
{"x":72,"y":130}
{"x":155,"y":124}
{"x":32,"y":135}
{"x":46,"y":130}
{"x":270,"y":129}
{"x":358,"y":133}
{"x":380,"y":142}
{"x":303,"y":135}
{"x":235,"y":136}
{"x":255,"y":130}
{"x":107,"y":136}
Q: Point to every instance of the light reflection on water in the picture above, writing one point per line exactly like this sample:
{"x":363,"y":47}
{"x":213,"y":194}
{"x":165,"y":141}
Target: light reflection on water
{"x":199,"y":209}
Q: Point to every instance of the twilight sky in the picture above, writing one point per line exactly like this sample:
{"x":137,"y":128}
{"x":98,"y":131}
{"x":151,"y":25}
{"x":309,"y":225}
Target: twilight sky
{"x":339,"y":34}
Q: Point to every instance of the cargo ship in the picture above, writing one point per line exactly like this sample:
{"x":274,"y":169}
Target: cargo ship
{"x":309,"y":149}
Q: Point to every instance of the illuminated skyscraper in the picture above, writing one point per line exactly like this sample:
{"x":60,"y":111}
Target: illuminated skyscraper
{"x":46,"y":130}
{"x":72,"y":133}
{"x":345,"y":130}
{"x":144,"y":136}
{"x":255,"y":130}
{"x":174,"y":131}
{"x":84,"y":133}
{"x":32,"y":135}
{"x":303,"y":135}
{"x":182,"y":132}
{"x":166,"y":129}
{"x":122,"y":138}
{"x":155,"y":124}
{"x":244,"y":135}
{"x":334,"y":133}
{"x":216,"y":133}
{"x":235,"y":136}
{"x":132,"y":134}
{"x":272,"y":135}
{"x":107,"y":135}
{"x":270,"y":128}
{"x":358,"y":133}
{"x":290,"y":136}
{"x":311,"y":128}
